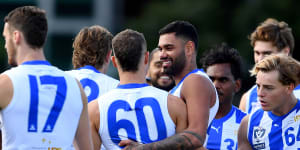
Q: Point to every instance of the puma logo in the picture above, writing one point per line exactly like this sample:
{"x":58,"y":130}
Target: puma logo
{"x":217,"y":129}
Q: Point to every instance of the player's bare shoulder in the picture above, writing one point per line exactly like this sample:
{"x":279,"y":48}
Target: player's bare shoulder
{"x":6,"y":92}
{"x":197,"y":85}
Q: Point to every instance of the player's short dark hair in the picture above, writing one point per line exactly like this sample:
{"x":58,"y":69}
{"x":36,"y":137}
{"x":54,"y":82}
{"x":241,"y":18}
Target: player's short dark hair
{"x":128,"y":47}
{"x":181,"y":29}
{"x":32,"y":22}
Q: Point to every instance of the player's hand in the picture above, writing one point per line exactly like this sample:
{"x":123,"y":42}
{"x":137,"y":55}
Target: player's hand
{"x":129,"y":144}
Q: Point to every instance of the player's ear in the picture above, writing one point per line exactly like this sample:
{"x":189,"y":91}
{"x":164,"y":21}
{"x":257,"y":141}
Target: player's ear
{"x":107,"y":58}
{"x":146,"y":58}
{"x":238,"y":85}
{"x":290,"y":88}
{"x":113,"y":60}
{"x":17,"y":36}
{"x":189,"y":48}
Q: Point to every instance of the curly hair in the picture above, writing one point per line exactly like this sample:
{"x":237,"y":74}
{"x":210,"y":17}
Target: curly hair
{"x":91,"y":46}
{"x":223,"y":54}
{"x":279,"y":33}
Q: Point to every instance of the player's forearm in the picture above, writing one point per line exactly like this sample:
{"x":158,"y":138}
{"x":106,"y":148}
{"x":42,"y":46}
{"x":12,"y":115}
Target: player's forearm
{"x":186,"y":140}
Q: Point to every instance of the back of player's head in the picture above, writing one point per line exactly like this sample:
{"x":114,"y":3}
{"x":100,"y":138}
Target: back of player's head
{"x":271,"y":30}
{"x":91,"y":46}
{"x":32,"y":22}
{"x":181,"y":29}
{"x":128,"y":48}
{"x":288,"y":68}
{"x":223,"y":54}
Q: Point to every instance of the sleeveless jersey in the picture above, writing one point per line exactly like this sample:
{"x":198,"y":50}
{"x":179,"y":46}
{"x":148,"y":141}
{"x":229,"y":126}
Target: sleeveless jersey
{"x":177,"y":89}
{"x":94,"y":82}
{"x":252,"y":102}
{"x":270,"y":132}
{"x":45,"y":109}
{"x":213,"y":110}
{"x":223,"y":131}
{"x":134,"y":111}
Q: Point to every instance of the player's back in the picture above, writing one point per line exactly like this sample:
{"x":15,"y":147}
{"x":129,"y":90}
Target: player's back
{"x":134,"y":111}
{"x":93,"y":82}
{"x":45,"y":108}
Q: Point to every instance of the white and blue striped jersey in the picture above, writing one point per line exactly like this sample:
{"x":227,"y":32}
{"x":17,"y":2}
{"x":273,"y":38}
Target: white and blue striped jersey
{"x":252,"y":102}
{"x":45,"y":109}
{"x":94,"y":82}
{"x":222,"y":133}
{"x":270,"y":132}
{"x":134,"y":111}
{"x":213,"y":110}
{"x":177,"y":89}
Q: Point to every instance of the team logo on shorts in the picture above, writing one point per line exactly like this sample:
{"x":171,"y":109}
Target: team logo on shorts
{"x":258,"y":137}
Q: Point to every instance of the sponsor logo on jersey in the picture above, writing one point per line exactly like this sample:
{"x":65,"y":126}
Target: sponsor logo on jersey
{"x":216,"y":129}
{"x":296,"y":118}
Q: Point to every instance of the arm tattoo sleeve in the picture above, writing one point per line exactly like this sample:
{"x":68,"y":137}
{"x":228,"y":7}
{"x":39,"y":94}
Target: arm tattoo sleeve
{"x":180,"y":141}
{"x":195,"y":135}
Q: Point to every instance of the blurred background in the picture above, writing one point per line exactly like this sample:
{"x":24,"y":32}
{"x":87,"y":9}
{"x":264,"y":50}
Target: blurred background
{"x":217,"y":21}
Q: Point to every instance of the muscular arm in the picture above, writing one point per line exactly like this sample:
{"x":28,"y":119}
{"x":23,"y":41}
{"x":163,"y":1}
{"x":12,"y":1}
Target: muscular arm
{"x":243,"y":101}
{"x":178,"y":112}
{"x":243,"y":143}
{"x":83,"y":139}
{"x":199,"y":95}
{"x":94,"y":115}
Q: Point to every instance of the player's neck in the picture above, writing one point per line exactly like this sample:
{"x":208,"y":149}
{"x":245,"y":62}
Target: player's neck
{"x":130,"y":77}
{"x":223,"y":110}
{"x":103,"y":68}
{"x":187,"y":69}
{"x":28,"y":54}
{"x":289,"y":104}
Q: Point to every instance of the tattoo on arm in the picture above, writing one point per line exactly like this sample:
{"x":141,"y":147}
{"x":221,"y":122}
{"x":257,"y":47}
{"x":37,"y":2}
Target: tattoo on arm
{"x":195,"y":135}
{"x":187,"y":138}
{"x":180,"y":141}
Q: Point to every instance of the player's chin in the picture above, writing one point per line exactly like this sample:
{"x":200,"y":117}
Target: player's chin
{"x":164,"y":81}
{"x":266,"y":108}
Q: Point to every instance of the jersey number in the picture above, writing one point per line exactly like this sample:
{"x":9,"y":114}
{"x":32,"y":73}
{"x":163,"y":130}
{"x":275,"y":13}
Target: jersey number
{"x":60,"y":97}
{"x":114,"y":126}
{"x":231,"y":144}
{"x":290,"y":137}
{"x":92,"y":85}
